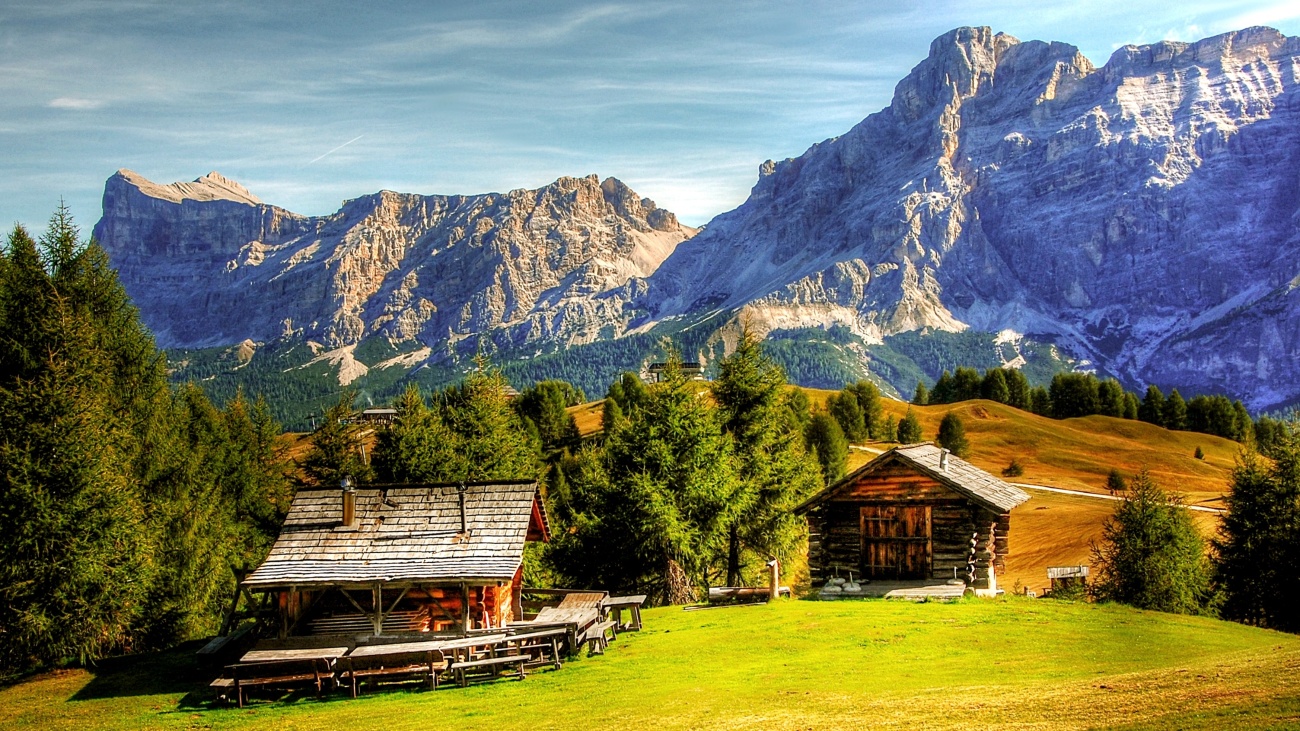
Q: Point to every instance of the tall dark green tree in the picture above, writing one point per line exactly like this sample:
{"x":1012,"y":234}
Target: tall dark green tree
{"x":873,"y":413}
{"x":1018,"y":389}
{"x":1174,"y":414}
{"x":909,"y":428}
{"x":546,"y":404}
{"x":1152,"y":410}
{"x":825,"y":439}
{"x":921,"y":396}
{"x":995,"y":386}
{"x":1074,"y":394}
{"x":966,"y":384}
{"x":773,"y":470}
{"x":418,"y":446}
{"x":847,"y":410}
{"x":1151,"y":555}
{"x":952,"y":435}
{"x":1259,"y":544}
{"x":337,"y":448}
{"x":1110,"y":398}
{"x":489,"y":435}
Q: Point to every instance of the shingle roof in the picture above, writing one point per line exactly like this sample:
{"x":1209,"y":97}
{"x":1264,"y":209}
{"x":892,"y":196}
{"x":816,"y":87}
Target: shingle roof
{"x":402,"y":533}
{"x":960,"y":475}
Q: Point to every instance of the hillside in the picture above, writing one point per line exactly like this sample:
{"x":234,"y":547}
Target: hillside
{"x":795,"y":665}
{"x":1074,"y":454}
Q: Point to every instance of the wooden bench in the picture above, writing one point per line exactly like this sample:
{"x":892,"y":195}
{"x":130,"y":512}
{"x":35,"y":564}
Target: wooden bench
{"x":273,"y":674}
{"x":492,"y":664}
{"x":377,"y":665}
{"x":595,"y":638}
{"x":537,"y":644}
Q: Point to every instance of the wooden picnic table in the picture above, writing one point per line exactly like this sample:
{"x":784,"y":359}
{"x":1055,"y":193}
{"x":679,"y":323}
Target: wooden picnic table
{"x":469,"y":643}
{"x":632,"y":603}
{"x":544,"y":638}
{"x":577,"y":620}
{"x":276,"y":655}
{"x":398,"y":647}
{"x":396,"y":659}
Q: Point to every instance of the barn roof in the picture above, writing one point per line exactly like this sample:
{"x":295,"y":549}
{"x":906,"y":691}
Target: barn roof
{"x":404,"y":534}
{"x":959,"y":475}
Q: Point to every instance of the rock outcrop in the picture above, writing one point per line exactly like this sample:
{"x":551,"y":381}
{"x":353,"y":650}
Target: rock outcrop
{"x":210,"y":264}
{"x":1144,"y":214}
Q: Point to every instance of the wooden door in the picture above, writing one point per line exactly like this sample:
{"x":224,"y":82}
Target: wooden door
{"x":896,"y":541}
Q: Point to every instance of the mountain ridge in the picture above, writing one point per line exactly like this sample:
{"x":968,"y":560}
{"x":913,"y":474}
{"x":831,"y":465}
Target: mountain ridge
{"x":1144,"y":215}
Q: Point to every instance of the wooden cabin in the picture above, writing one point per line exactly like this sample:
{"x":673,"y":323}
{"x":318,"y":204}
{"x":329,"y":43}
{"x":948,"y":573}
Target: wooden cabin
{"x":392,"y":559}
{"x":916,"y":512}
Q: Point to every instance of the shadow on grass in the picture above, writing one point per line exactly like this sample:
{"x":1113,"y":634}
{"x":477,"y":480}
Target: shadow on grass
{"x":170,"y":672}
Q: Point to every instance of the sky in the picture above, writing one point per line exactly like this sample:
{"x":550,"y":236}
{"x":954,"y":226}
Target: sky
{"x":308,"y":105}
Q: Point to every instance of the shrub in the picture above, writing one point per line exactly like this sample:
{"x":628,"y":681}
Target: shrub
{"x":1015,"y":469}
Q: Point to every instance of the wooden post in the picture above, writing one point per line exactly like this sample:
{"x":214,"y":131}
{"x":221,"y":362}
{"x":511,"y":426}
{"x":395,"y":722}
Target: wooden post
{"x":465,"y":618}
{"x":774,"y":580}
{"x":378,"y":619}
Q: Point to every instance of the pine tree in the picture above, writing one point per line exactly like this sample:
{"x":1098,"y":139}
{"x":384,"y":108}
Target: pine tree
{"x":1115,"y":483}
{"x":1151,"y":555}
{"x":1152,"y":410}
{"x":825,"y":439}
{"x":995,"y":387}
{"x":1131,"y":406}
{"x":671,"y":487}
{"x":1041,"y":401}
{"x":1110,"y":398}
{"x":868,"y":397}
{"x":1074,"y":395}
{"x":944,"y":391}
{"x":336,"y":449}
{"x":966,"y":384}
{"x":1259,"y":544}
{"x":78,"y":554}
{"x":1174,"y":414}
{"x":952,"y":435}
{"x":418,"y":446}
{"x":847,"y":410}
{"x":546,"y":404}
{"x":1018,"y":390}
{"x":774,"y":472}
{"x":909,"y":429}
{"x":490,"y":436}
{"x":921,"y":397}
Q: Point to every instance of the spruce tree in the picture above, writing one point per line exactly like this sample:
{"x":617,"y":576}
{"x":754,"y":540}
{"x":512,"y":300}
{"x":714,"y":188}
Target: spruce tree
{"x":1018,"y":389}
{"x":825,"y":439}
{"x":995,"y":387}
{"x":1040,"y":401}
{"x":1131,"y":406}
{"x":847,"y":410}
{"x":418,"y":446}
{"x":773,"y":470}
{"x":336,"y":448}
{"x":1174,"y":414}
{"x":921,"y":396}
{"x":952,"y":435}
{"x":868,"y":397}
{"x":909,"y":429}
{"x":943,"y":391}
{"x":490,"y":436}
{"x":1110,"y":398}
{"x":671,"y":487}
{"x":966,"y":384}
{"x":1259,"y":544}
{"x":1151,"y":555}
{"x":546,"y":404}
{"x":1152,"y":410}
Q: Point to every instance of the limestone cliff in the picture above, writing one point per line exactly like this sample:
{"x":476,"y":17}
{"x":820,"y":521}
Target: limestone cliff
{"x":210,"y":264}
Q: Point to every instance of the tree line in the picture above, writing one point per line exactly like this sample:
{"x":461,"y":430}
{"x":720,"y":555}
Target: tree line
{"x":127,"y":502}
{"x":1073,"y":395}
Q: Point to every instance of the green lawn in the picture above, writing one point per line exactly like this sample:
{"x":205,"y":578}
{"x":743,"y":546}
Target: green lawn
{"x":798,"y":664}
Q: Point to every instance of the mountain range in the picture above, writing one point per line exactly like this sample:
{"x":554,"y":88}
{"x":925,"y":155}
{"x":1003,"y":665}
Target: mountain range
{"x":1014,"y":204}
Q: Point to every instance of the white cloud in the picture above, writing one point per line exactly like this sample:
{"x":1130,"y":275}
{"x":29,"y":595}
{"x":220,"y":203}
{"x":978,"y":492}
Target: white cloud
{"x":70,"y":102}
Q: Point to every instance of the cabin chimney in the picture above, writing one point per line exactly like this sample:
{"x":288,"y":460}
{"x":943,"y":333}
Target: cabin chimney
{"x":349,"y":501}
{"x":460,"y":495}
{"x":943,"y":460}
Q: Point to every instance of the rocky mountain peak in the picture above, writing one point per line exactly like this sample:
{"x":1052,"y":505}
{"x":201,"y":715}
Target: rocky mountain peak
{"x":211,"y":187}
{"x":961,"y":62}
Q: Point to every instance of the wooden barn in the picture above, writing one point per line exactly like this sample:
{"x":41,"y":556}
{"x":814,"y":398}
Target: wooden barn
{"x":393,"y":559}
{"x":916,"y":513}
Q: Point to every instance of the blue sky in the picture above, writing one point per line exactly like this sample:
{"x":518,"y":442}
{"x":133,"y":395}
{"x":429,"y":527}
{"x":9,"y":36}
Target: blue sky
{"x":309,"y":105}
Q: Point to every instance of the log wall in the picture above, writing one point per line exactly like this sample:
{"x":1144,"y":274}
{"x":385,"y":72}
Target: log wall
{"x":835,"y":541}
